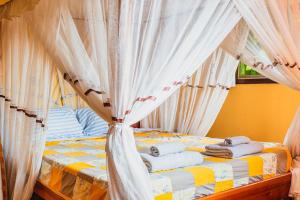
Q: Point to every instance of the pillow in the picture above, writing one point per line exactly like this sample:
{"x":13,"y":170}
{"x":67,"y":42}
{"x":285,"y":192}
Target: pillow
{"x":92,"y":124}
{"x":62,"y":122}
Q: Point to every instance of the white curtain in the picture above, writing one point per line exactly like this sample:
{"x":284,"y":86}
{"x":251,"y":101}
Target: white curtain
{"x":15,"y":8}
{"x":256,"y":57}
{"x":294,"y":147}
{"x":276,"y":26}
{"x":194,"y":109}
{"x":165,"y":116}
{"x":125,"y":58}
{"x":25,"y":80}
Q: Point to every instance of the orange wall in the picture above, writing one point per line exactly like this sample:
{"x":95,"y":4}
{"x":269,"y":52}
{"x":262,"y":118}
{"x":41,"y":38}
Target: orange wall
{"x":262,"y":112}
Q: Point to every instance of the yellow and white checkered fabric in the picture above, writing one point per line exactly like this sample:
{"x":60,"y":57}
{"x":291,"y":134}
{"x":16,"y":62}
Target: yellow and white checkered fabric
{"x":77,"y":169}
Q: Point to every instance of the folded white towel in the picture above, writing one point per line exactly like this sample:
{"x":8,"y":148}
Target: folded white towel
{"x":166,"y":148}
{"x":232,"y":141}
{"x":234,"y":151}
{"x":172,"y":161}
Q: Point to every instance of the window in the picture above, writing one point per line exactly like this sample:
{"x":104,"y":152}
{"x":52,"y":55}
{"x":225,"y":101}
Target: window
{"x":247,"y":75}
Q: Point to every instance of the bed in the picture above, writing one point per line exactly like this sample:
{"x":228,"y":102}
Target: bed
{"x":76,"y":169}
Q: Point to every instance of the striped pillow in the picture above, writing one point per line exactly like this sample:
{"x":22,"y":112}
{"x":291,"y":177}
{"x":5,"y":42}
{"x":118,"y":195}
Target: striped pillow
{"x":92,"y":124}
{"x":62,"y":121}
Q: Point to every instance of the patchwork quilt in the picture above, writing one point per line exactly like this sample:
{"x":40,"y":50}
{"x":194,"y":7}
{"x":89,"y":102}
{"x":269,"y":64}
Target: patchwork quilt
{"x":76,"y":169}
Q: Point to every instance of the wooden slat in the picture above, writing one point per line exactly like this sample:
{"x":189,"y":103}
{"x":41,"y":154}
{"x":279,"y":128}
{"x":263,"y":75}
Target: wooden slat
{"x":271,"y":189}
{"x":46,"y":193}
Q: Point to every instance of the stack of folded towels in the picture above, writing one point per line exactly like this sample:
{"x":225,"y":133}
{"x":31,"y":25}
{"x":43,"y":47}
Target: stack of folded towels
{"x":233,"y":147}
{"x":171,"y":155}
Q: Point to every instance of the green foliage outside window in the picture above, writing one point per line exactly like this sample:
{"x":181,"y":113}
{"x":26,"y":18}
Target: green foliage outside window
{"x":245,"y":70}
{"x":246,"y":74}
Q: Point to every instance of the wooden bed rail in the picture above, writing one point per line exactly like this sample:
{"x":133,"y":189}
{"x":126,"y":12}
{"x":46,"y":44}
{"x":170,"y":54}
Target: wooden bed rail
{"x":276,"y":188}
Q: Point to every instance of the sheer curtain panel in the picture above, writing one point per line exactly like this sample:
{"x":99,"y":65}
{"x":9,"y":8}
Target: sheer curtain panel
{"x":256,"y":57}
{"x":124,"y":58}
{"x":276,"y":26}
{"x":294,"y":147}
{"x":15,"y":8}
{"x":280,"y":40}
{"x":194,"y":109}
{"x":25,"y":80}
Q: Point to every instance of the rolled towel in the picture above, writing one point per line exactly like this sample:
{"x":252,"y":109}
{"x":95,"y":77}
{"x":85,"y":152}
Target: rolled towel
{"x":165,"y":148}
{"x":172,"y":161}
{"x":232,"y":141}
{"x":234,"y":151}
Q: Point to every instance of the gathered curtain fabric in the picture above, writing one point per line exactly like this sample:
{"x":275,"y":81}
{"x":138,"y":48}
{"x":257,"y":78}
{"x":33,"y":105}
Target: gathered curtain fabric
{"x":64,"y":94}
{"x":124,"y":58}
{"x":256,"y":57}
{"x":195,"y":107}
{"x":15,"y":8}
{"x":279,"y":41}
{"x":164,"y":117}
{"x":276,"y":27}
{"x":292,"y":141}
{"x":25,"y":81}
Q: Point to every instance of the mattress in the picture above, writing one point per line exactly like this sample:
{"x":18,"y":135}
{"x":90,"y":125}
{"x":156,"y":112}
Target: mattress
{"x":76,"y":169}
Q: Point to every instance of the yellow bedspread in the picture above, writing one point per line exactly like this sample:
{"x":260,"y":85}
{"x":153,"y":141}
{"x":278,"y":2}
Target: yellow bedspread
{"x":76,"y":169}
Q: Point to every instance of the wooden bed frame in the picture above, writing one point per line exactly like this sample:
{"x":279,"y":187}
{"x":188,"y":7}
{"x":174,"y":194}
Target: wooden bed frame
{"x":276,"y":188}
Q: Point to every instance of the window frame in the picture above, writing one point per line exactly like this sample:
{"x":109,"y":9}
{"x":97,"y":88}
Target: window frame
{"x":251,"y":79}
